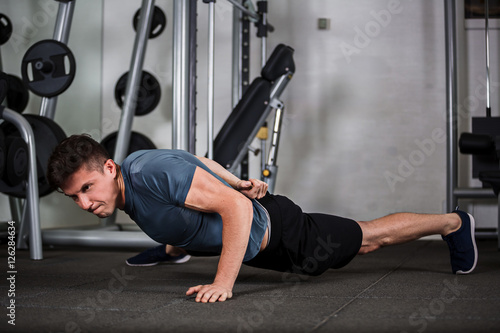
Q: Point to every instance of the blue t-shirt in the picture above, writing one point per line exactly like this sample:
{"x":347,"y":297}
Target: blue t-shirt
{"x":156,"y":185}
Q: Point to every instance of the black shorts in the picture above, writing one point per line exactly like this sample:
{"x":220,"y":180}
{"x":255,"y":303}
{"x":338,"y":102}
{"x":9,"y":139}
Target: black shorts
{"x":306,"y":243}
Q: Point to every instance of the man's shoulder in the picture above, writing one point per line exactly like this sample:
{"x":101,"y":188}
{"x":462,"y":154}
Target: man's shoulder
{"x":144,"y":158}
{"x":158,"y":160}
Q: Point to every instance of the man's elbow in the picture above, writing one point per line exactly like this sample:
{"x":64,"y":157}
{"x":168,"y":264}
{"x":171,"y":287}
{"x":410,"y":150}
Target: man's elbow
{"x":242,"y":206}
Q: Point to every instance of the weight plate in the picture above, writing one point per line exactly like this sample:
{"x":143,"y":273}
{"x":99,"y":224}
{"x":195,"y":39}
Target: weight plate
{"x":149,"y":93}
{"x":47,"y":136}
{"x":16,"y":169}
{"x":43,"y":153}
{"x":4,"y":86}
{"x":5,"y":29}
{"x":48,"y":68}
{"x":138,"y":141}
{"x":17,"y":94}
{"x":158,"y":24}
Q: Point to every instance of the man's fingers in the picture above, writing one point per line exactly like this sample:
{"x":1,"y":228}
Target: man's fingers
{"x":209,"y":294}
{"x":193,"y":290}
{"x":245,"y":185}
{"x":216,"y":297}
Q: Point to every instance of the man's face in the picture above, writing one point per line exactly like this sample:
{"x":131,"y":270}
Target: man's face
{"x":94,"y":191}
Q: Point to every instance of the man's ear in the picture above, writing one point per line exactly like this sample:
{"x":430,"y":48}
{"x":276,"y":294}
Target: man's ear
{"x":110,"y":166}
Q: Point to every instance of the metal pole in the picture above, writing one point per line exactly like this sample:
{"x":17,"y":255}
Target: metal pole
{"x":61,"y":34}
{"x":134,"y":80}
{"x":31,"y":209}
{"x":98,"y":237}
{"x":180,"y":81}
{"x":236,"y":59}
{"x":263,"y":39}
{"x":210,"y":74}
{"x":63,"y":21}
{"x":451,"y":99}
{"x":273,"y":150}
{"x":192,"y":46}
{"x":244,"y":10}
{"x":487,"y":42}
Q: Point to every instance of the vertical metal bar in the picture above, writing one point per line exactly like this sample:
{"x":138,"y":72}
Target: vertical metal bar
{"x":245,"y":83}
{"x":263,"y":40}
{"x":210,"y":74}
{"x":263,"y":55}
{"x":236,"y":58}
{"x":275,"y":140}
{"x":180,"y":80}
{"x":487,"y":42}
{"x":63,"y":21}
{"x":271,"y":165}
{"x":134,"y":80}
{"x":192,"y":76}
{"x":61,"y":34}
{"x":263,"y":146}
{"x":451,"y":103}
{"x":31,"y":210}
{"x":16,"y":208}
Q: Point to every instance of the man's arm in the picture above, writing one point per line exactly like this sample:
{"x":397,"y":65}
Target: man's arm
{"x":208,"y":194}
{"x":252,"y":188}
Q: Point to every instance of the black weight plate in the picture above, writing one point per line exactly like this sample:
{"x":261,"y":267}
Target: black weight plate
{"x":44,"y":69}
{"x":149,"y":94}
{"x":5,"y":29}
{"x":16,"y":169}
{"x":4,"y":86}
{"x":47,"y":136}
{"x":17,"y":94}
{"x":138,"y":141}
{"x":43,"y":153}
{"x":158,"y":24}
{"x":2,"y":153}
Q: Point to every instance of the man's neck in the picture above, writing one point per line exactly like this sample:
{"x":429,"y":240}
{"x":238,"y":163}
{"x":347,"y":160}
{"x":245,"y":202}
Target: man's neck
{"x":120,"y":204}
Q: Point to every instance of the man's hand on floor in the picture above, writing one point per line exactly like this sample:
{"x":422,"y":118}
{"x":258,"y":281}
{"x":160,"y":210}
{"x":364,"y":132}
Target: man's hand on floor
{"x":210,"y":293}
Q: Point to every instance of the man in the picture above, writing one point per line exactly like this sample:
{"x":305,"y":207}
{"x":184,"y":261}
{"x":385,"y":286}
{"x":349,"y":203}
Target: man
{"x":194,"y":203}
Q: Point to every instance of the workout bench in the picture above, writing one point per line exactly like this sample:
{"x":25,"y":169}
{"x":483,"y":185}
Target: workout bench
{"x":262,"y":96}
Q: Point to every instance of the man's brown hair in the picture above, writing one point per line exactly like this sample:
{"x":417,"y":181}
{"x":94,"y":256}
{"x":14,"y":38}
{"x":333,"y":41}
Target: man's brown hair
{"x":73,"y":153}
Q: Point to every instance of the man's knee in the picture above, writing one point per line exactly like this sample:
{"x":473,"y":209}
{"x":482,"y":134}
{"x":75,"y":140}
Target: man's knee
{"x":372,"y":239}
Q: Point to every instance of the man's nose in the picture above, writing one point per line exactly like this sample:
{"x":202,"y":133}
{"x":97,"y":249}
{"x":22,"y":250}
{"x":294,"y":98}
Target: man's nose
{"x":85,"y":203}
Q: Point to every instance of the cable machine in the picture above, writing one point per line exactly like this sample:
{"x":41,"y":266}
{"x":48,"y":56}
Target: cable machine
{"x":253,"y":103}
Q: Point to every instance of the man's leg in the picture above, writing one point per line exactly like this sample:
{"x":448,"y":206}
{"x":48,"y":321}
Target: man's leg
{"x":456,"y":228}
{"x":404,"y":227}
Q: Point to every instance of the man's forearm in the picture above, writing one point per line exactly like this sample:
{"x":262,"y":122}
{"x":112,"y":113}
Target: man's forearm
{"x":208,"y":194}
{"x":235,"y":236}
{"x":220,"y":171}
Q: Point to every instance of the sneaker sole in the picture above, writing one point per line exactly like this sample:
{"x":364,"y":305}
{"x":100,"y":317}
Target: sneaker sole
{"x":138,"y":265}
{"x":472,"y":232}
{"x":179,"y":261}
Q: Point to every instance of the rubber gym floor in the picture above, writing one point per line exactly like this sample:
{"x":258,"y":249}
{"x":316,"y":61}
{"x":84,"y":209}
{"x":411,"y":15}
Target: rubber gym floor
{"x":404,"y":288}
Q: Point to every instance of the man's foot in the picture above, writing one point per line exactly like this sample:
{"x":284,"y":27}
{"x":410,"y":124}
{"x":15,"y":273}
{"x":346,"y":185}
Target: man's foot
{"x":156,"y":255}
{"x":462,"y":244}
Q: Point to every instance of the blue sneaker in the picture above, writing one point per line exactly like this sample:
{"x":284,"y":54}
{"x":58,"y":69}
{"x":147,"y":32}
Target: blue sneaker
{"x":156,"y":255}
{"x":462,"y":244}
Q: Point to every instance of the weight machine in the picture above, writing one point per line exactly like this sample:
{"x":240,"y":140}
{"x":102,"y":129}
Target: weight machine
{"x":229,"y":147}
{"x":484,"y":141}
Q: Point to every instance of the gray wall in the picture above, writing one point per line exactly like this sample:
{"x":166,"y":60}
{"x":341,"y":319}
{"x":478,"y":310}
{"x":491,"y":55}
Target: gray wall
{"x":364,"y":127}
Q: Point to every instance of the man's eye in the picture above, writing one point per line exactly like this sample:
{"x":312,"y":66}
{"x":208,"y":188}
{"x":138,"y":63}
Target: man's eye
{"x":85,"y":188}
